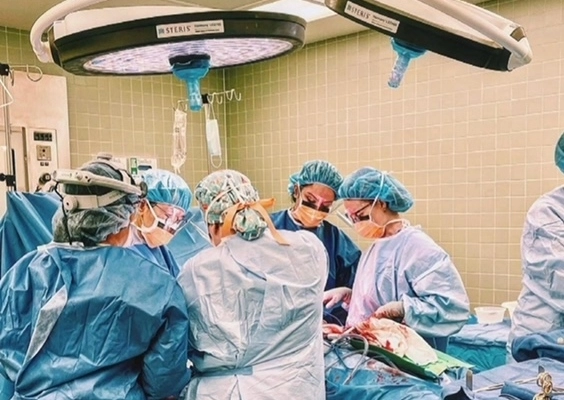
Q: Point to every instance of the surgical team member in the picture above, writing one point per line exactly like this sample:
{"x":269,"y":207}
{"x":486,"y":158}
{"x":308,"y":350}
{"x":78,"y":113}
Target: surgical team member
{"x":255,"y":312}
{"x":404,"y":275}
{"x":162,"y":214}
{"x":540,"y":305}
{"x":314,"y":190}
{"x":85,"y":318}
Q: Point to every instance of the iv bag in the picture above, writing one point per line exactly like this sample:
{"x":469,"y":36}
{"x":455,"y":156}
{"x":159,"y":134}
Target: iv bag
{"x":212,"y":136}
{"x":178,"y":140}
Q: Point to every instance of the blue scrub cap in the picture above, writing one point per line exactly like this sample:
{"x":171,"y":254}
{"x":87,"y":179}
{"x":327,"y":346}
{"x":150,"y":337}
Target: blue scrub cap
{"x":223,"y":189}
{"x":368,"y":184}
{"x":93,"y":226}
{"x":559,"y":153}
{"x":317,"y":171}
{"x":167,"y":187}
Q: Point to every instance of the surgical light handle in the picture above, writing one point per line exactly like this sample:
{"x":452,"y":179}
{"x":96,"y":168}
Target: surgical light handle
{"x":456,"y":10}
{"x":43,"y":23}
{"x":406,"y":53}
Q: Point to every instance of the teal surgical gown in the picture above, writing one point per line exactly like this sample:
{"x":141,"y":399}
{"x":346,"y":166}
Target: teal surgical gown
{"x":99,"y":323}
{"x":343,"y":254}
{"x":541,"y":303}
{"x":410,"y":267}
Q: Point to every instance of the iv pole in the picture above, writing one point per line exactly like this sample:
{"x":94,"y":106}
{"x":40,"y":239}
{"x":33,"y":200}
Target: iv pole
{"x":8,"y":175}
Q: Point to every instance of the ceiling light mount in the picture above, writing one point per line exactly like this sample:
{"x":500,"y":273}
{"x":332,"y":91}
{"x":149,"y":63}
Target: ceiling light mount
{"x":406,"y":52}
{"x":124,"y":41}
{"x":191,"y":69}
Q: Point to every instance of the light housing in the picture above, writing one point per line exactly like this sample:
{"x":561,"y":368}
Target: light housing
{"x":145,"y":46}
{"x":452,"y":28}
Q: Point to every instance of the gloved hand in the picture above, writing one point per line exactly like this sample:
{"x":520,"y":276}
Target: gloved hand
{"x":334,"y":296}
{"x":392,"y":310}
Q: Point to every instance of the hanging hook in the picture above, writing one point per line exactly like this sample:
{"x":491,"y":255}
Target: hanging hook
{"x":37,"y":70}
{"x":221,"y":97}
{"x":27,"y":68}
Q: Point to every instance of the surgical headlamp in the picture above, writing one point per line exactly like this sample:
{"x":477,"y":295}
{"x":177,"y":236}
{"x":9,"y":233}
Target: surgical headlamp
{"x":118,"y":189}
{"x":161,"y":40}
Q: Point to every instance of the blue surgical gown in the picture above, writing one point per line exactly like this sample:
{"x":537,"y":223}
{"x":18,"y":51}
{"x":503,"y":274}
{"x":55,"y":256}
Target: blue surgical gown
{"x":255,"y":319}
{"x":192,"y":239}
{"x":410,"y":267}
{"x":540,"y":306}
{"x":159,"y":255}
{"x":99,"y":323}
{"x":343,"y":253}
{"x":26,"y":225}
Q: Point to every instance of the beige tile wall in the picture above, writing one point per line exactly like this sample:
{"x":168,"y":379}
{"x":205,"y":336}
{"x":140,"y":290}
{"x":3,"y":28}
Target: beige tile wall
{"x":474,"y":147}
{"x":126,"y":116}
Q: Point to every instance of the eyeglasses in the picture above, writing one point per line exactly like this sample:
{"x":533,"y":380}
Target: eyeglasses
{"x":316,"y":206}
{"x":317,"y":203}
{"x":175,"y":218}
{"x":354,"y":217}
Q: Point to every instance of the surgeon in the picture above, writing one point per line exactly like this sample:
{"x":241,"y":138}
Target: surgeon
{"x":314,"y":190}
{"x":404,"y":275}
{"x":162,"y":214}
{"x":84,"y":317}
{"x":540,"y":305}
{"x":255,"y":312}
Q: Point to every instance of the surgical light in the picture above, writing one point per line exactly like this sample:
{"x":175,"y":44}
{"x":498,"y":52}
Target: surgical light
{"x":452,"y":28}
{"x":161,"y":40}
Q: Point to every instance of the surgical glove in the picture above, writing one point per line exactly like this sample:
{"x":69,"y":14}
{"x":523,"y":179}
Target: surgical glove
{"x":334,"y":296}
{"x":392,"y":310}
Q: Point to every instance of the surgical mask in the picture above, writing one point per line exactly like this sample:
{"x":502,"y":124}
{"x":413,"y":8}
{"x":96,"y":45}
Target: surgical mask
{"x":309,"y":217}
{"x":158,"y":237}
{"x":371,"y":230}
{"x":311,"y":214}
{"x":364,"y":226}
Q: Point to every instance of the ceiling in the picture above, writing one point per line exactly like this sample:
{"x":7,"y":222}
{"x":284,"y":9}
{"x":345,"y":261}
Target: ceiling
{"x":21,"y":14}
